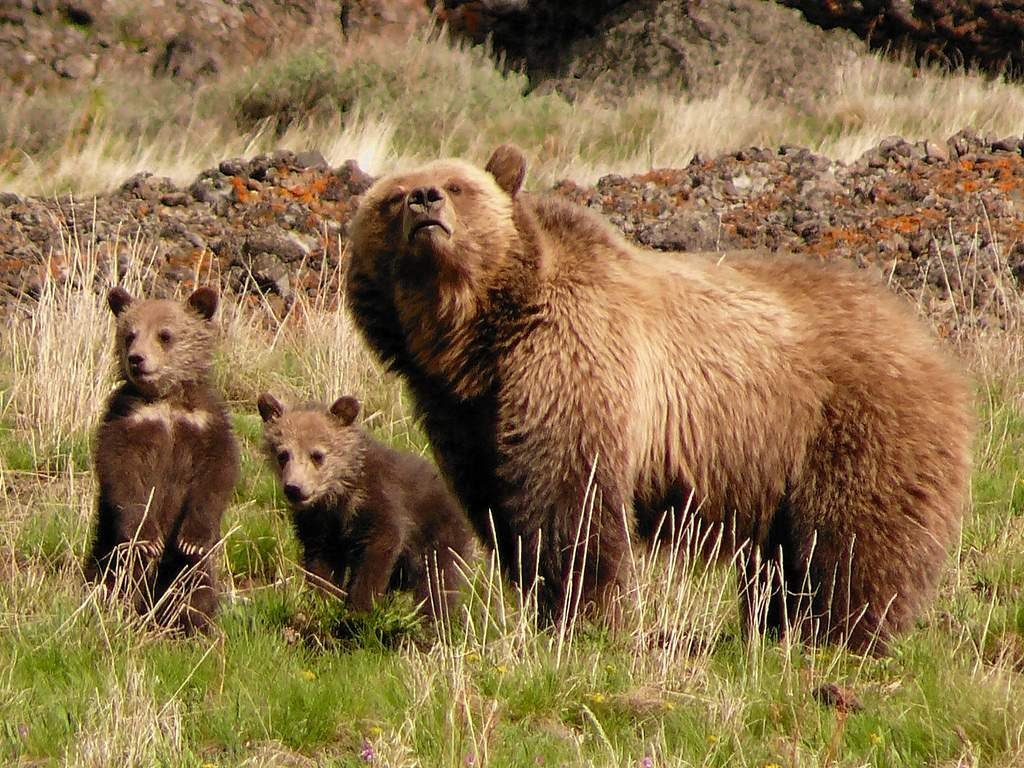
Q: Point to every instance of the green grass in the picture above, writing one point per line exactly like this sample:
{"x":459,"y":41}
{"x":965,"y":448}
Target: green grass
{"x":288,"y":674}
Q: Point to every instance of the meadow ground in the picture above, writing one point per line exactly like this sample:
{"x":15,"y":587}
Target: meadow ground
{"x":289,"y":679}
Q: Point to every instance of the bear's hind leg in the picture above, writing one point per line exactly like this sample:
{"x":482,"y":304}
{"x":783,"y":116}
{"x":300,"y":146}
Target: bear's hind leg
{"x":773,"y":582}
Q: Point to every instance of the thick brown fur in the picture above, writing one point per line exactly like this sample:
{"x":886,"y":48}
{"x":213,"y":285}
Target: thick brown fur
{"x":166,"y":462}
{"x":806,"y":413}
{"x":369,"y":518}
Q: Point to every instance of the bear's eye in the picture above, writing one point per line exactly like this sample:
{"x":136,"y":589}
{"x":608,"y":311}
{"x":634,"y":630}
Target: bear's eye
{"x":282,"y":457}
{"x":393,"y":199}
{"x":130,"y":337}
{"x":164,"y":336}
{"x":453,"y":187}
{"x":317,"y":456}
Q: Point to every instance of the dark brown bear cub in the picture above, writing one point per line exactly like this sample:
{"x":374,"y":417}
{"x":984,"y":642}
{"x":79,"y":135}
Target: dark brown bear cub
{"x":166,"y":461}
{"x":369,"y":518}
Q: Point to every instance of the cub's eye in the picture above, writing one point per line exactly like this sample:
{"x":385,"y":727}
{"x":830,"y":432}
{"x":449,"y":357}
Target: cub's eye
{"x":317,"y":456}
{"x":282,"y":457}
{"x":130,"y":337}
{"x":164,"y":336}
{"x":453,"y":188}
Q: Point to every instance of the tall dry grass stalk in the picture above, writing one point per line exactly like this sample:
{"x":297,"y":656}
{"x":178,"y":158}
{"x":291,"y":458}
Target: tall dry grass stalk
{"x":313,"y":354}
{"x":60,"y":348}
{"x":128,"y":727}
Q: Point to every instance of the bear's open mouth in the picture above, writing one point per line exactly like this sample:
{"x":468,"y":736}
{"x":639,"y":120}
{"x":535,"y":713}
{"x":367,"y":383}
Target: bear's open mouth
{"x":425,"y":224}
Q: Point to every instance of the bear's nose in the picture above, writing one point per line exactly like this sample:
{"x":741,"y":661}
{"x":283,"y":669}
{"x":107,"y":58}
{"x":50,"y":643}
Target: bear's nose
{"x":425,"y":199}
{"x":294,"y":492}
{"x":135,"y":360}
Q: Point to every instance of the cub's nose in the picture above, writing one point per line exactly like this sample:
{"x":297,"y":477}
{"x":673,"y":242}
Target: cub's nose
{"x":135,"y":360}
{"x":294,"y":493}
{"x":425,"y":199}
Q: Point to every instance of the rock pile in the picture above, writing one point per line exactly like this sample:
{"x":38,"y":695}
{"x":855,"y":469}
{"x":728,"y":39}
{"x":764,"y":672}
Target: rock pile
{"x":943,"y":222}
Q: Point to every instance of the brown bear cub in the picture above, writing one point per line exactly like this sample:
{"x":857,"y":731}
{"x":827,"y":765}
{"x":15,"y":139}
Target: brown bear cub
{"x":369,"y":518}
{"x":166,"y":461}
{"x":560,"y":370}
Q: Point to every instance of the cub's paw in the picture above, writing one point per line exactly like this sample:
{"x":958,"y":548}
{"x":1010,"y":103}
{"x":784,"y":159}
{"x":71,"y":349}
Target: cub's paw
{"x":191,"y":549}
{"x":149,"y":549}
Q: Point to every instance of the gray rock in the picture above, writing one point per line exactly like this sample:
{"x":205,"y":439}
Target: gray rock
{"x":285,"y":248}
{"x":309,"y":159}
{"x":77,"y":66}
{"x":236,"y":166}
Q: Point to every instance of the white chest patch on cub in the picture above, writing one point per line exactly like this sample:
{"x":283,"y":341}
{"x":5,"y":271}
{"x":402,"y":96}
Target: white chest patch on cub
{"x":168,"y":415}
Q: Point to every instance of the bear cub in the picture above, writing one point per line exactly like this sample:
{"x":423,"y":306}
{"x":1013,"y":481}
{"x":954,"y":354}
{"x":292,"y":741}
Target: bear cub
{"x":369,"y":518}
{"x":165,"y":460}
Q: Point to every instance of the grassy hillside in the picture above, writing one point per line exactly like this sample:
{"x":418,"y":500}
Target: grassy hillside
{"x":381,"y":104}
{"x":288,"y":679}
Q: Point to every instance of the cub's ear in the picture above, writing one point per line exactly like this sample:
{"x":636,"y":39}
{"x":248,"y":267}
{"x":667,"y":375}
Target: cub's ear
{"x":118,"y":300}
{"x":508,"y":167}
{"x":270,"y":407}
{"x":204,"y":301}
{"x":345,"y":409}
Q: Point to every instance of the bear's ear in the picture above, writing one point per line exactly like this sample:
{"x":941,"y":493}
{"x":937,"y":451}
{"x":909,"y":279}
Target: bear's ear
{"x":118,"y":300}
{"x":270,"y":407}
{"x":508,"y":167}
{"x":345,"y":409}
{"x":204,"y":301}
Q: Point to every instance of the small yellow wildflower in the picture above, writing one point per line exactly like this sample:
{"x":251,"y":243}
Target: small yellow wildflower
{"x":875,"y":738}
{"x":712,"y":738}
{"x":472,"y":657}
{"x":308,"y":674}
{"x":376,"y":730}
{"x":669,"y":706}
{"x":501,"y":669}
{"x":596,"y":698}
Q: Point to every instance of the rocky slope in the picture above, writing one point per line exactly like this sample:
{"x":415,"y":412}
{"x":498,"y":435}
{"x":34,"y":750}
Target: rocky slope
{"x":44,"y":42}
{"x":943,"y":222}
{"x":542,"y":33}
{"x":981,"y":33}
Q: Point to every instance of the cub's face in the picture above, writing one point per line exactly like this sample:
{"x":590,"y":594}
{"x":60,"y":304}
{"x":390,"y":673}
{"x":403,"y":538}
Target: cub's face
{"x":449,"y":220}
{"x":161,"y":343}
{"x":315,"y":452}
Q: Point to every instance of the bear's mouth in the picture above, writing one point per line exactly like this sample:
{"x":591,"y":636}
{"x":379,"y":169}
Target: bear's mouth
{"x":137,"y":373}
{"x":427,"y":225}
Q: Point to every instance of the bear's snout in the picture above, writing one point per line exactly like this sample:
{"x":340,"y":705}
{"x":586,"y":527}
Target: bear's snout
{"x":425,"y":212}
{"x":425,"y":199}
{"x":137,"y":365}
{"x":295,"y":493}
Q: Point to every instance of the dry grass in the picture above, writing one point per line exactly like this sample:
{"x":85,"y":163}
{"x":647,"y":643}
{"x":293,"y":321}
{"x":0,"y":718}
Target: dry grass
{"x":382,"y":107}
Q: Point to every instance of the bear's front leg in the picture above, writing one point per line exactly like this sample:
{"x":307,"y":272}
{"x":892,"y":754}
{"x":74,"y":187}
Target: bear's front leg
{"x":127,"y":545}
{"x":208,"y":496}
{"x":371,"y":574}
{"x":579,"y":555}
{"x":325,"y":574}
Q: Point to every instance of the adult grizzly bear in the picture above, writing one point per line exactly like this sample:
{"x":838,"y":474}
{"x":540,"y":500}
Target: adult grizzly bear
{"x":369,"y":518}
{"x":166,"y":461}
{"x":803,"y":408}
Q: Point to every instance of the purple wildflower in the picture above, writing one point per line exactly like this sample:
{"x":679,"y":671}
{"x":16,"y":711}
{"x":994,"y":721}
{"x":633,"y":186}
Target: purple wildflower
{"x":367,"y":752}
